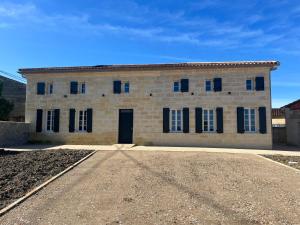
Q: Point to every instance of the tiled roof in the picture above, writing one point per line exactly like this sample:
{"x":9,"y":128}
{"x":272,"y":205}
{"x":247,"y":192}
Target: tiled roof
{"x":277,"y":113}
{"x":126,"y":67}
{"x":293,"y":106}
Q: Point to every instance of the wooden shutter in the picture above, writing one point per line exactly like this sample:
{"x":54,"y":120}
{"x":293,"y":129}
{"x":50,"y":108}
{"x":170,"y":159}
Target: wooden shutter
{"x":40,"y":88}
{"x":198,"y":120}
{"x":56,"y":120}
{"x":186,"y":122}
{"x":89,"y":127}
{"x":117,"y":87}
{"x":73,"y":87}
{"x":259,"y":83}
{"x":240,"y":120}
{"x":262,"y":120}
{"x":218,"y":84}
{"x":184,"y":85}
{"x":72,"y":120}
{"x":219,"y":111}
{"x":39,"y":120}
{"x":166,"y":120}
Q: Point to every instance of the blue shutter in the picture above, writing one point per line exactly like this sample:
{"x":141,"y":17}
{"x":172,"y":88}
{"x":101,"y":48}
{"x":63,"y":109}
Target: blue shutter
{"x":198,"y":120}
{"x":218,"y":84}
{"x":186,"y":122}
{"x":219,"y":111}
{"x":73,"y":87}
{"x":240,"y":120}
{"x":39,"y":120}
{"x":72,"y":120}
{"x":260,"y":83}
{"x":89,"y":125}
{"x":117,"y":87}
{"x":184,"y":85}
{"x":56,"y":120}
{"x":40,"y":89}
{"x":262,"y":120}
{"x":166,"y":120}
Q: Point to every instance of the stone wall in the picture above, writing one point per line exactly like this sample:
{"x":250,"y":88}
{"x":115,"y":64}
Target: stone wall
{"x":13,"y":133}
{"x":148,"y":110}
{"x":279,"y":135}
{"x":293,"y":126}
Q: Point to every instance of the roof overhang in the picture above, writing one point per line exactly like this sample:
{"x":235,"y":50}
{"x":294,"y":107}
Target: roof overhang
{"x":137,"y":67}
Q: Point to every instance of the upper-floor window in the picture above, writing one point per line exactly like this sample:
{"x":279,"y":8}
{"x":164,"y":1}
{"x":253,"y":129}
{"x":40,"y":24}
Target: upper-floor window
{"x":176,"y":86}
{"x":208,"y":85}
{"x":176,"y":120}
{"x":49,"y":88}
{"x":249,"y":85}
{"x":249,"y":120}
{"x":44,"y":88}
{"x":50,"y":120}
{"x":208,"y":120}
{"x":77,"y":87}
{"x":126,"y":87}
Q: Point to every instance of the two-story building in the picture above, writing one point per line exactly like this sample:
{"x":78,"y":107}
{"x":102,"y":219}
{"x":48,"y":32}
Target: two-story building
{"x":217,"y":104}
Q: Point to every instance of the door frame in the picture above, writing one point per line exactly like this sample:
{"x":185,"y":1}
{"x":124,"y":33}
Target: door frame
{"x":132,"y":113}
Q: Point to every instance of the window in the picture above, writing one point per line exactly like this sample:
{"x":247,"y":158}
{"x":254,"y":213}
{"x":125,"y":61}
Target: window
{"x":126,"y":87}
{"x":82,"y":122}
{"x":40,"y":88}
{"x":176,"y":120}
{"x":82,"y":88}
{"x":249,"y":85}
{"x":249,"y":119}
{"x":208,"y":85}
{"x":50,"y":120}
{"x":176,"y":86}
{"x":50,"y":88}
{"x":77,"y":87}
{"x":208,"y":120}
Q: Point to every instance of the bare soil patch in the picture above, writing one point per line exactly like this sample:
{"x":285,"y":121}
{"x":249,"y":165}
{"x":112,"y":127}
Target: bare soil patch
{"x":292,"y":161}
{"x":20,"y":172}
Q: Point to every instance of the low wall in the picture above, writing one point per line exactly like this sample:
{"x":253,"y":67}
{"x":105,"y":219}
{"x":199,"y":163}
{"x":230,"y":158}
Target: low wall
{"x":279,"y":135}
{"x":13,"y":133}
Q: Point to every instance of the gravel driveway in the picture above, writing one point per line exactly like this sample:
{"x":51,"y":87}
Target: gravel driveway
{"x":130,"y":187}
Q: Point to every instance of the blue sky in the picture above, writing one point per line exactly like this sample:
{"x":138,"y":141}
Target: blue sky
{"x":68,"y":33}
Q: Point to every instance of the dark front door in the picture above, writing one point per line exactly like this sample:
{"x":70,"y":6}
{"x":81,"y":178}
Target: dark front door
{"x":125,"y":126}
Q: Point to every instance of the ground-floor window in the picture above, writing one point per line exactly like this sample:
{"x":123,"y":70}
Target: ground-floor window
{"x":249,"y":119}
{"x":82,"y":121}
{"x":50,"y":120}
{"x":176,"y":120}
{"x":208,"y":120}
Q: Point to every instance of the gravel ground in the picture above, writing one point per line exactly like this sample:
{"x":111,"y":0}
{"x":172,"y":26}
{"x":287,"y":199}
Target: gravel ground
{"x":20,"y":172}
{"x":130,"y":187}
{"x":292,"y":161}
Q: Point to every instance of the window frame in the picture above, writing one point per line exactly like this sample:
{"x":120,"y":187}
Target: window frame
{"x":176,"y":121}
{"x":51,"y":125}
{"x":127,"y":84}
{"x":178,"y":86}
{"x":252,"y":85}
{"x":81,"y":122}
{"x":209,"y":124}
{"x":211,"y":85}
{"x":250,"y":120}
{"x":49,"y":88}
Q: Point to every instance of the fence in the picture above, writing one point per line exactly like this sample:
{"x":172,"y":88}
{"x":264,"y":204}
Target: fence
{"x":13,"y":133}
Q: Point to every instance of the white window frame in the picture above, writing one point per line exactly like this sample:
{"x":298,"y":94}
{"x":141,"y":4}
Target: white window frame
{"x":211,"y":85}
{"x":51,"y":121}
{"x":250,"y":122}
{"x":80,"y":88}
{"x":211,"y":121}
{"x":48,"y":88}
{"x":176,"y":121}
{"x":252,"y":85}
{"x":127,"y":83}
{"x":82,"y":122}
{"x":177,"y":81}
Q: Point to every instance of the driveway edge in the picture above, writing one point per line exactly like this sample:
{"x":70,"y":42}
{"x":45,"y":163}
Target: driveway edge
{"x":279,"y":163}
{"x":38,"y":188}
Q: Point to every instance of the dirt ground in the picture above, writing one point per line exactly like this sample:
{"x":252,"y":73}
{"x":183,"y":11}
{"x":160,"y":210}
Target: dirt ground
{"x":292,"y":161}
{"x":140,"y":187}
{"x":20,"y":172}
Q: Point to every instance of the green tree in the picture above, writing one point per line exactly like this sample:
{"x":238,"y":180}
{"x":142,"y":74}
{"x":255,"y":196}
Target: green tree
{"x":5,"y":106}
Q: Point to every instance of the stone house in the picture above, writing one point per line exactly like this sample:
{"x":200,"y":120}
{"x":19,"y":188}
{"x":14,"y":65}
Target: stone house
{"x":15,"y":92}
{"x":292,"y":117}
{"x":217,"y":104}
